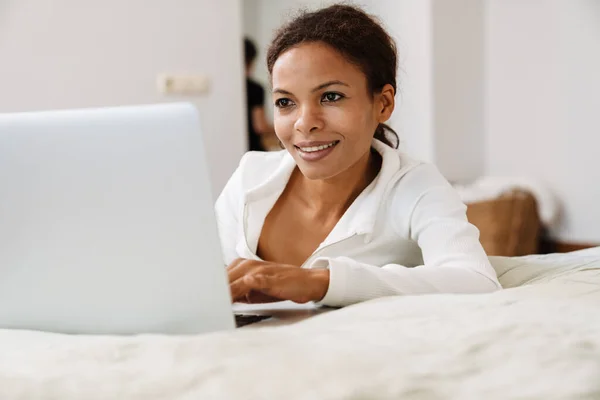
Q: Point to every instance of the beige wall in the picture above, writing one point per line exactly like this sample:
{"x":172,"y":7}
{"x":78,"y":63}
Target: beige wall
{"x":542,"y":103}
{"x":71,"y":53}
{"x":459,"y":83}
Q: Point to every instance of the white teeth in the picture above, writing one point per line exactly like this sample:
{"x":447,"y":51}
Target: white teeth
{"x":316,"y":148}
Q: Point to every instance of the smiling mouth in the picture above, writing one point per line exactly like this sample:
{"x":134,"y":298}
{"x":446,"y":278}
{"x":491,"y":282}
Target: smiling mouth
{"x":315,"y":149}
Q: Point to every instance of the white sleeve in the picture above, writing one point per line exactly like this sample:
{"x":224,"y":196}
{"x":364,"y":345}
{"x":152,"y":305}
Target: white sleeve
{"x":228,"y":210}
{"x":454,"y":260}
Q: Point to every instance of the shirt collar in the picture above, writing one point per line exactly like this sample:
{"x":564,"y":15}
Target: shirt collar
{"x":360,"y":217}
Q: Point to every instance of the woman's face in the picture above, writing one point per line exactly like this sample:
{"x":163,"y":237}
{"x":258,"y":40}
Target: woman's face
{"x":325,"y":115}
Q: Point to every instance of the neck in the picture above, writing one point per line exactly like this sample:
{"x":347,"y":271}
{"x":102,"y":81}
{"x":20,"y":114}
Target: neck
{"x":333,"y":196}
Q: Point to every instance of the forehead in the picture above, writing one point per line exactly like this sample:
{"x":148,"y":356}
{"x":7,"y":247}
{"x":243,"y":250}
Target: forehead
{"x":312,"y":64}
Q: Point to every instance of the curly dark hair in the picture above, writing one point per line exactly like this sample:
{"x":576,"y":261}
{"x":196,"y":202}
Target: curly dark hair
{"x":359,"y":37}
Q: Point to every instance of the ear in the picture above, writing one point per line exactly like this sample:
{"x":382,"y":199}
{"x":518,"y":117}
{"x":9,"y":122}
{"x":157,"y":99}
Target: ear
{"x":386,"y":103}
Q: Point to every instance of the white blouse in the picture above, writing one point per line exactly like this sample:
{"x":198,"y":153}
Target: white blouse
{"x":406,"y":233}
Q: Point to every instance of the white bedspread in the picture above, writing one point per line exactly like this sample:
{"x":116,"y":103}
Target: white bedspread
{"x":539,"y":340}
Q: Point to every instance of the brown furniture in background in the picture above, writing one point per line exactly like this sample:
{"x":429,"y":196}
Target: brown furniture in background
{"x":509,"y":225}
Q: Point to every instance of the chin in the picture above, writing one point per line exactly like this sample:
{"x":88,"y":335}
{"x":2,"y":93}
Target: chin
{"x":315,"y":173}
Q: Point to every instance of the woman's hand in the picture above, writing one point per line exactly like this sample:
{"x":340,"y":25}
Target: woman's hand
{"x":252,"y":281}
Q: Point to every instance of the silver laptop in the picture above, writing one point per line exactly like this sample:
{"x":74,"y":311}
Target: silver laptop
{"x":107,"y":223}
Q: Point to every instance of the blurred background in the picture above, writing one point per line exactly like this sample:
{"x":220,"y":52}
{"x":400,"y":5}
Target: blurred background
{"x":500,"y":94}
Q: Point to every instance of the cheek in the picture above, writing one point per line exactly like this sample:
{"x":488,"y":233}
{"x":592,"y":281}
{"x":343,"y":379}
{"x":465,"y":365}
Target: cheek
{"x":354,"y":123}
{"x":284,"y":126}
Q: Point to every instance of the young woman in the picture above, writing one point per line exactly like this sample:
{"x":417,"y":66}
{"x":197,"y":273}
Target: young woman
{"x":340,"y":216}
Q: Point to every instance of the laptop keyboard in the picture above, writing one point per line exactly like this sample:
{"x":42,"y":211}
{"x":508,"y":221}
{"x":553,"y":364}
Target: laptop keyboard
{"x":247,"y":319}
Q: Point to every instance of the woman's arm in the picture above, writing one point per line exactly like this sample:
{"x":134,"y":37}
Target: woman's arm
{"x":454,"y":260}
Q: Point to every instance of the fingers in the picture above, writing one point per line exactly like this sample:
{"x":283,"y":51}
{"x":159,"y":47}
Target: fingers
{"x":295,"y":284}
{"x":236,"y":271}
{"x":254,"y":281}
{"x":239,"y":290}
{"x":259,"y":281}
{"x":235,"y":263}
{"x":254,"y":297}
{"x":269,"y":283}
{"x":240,"y":267}
{"x":258,"y":297}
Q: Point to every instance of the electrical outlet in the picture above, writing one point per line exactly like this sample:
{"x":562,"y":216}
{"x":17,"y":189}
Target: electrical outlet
{"x":183,"y":84}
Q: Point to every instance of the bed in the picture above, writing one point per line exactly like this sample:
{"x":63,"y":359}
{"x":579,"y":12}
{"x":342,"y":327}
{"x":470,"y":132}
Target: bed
{"x":537,"y":339}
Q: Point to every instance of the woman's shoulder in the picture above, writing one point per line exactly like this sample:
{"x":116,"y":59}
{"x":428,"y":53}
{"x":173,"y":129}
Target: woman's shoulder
{"x":418,"y":192}
{"x":408,"y":174}
{"x":420,"y":175}
{"x":414,"y":179}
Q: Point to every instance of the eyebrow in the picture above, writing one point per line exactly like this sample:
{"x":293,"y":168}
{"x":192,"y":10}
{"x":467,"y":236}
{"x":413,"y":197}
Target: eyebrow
{"x":320,"y":87}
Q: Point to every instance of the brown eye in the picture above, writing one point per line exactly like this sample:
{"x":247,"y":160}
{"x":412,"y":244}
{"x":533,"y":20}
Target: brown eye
{"x":283,"y":103}
{"x":331,"y":97}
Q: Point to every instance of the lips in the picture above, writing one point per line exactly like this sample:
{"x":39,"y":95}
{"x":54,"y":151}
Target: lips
{"x":315,"y":151}
{"x":309,"y":147}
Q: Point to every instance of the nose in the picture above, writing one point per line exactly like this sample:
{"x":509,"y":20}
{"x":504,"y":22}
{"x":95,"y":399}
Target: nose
{"x":309,"y":120}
